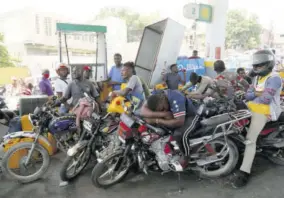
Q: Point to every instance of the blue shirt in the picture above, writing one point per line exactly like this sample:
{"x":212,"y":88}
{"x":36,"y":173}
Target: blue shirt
{"x":179,"y":104}
{"x":115,"y":75}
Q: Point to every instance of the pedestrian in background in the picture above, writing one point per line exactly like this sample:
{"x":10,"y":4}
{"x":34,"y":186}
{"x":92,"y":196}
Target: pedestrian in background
{"x":173,"y":79}
{"x":114,"y":76}
{"x":45,"y":84}
{"x":242,"y":74}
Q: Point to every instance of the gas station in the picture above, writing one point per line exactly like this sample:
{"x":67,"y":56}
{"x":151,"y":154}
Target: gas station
{"x":214,"y":15}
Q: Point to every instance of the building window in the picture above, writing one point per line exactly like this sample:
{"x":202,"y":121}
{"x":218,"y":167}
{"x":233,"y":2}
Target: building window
{"x":91,"y":39}
{"x":85,"y":38}
{"x":47,"y":26}
{"x":37,"y":24}
{"x":76,"y":37}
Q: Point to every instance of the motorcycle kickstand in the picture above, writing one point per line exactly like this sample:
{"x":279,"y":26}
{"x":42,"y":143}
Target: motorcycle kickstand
{"x":179,"y":184}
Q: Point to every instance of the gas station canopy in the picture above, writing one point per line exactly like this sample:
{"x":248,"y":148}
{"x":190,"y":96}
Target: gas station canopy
{"x":68,"y":27}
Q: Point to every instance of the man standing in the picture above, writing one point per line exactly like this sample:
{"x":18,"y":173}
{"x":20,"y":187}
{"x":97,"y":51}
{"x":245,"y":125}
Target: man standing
{"x":62,"y":82}
{"x":114,"y":76}
{"x":242,"y":74}
{"x":13,"y":89}
{"x":194,"y":55}
{"x":44,"y":84}
{"x":134,"y":88}
{"x":173,"y":79}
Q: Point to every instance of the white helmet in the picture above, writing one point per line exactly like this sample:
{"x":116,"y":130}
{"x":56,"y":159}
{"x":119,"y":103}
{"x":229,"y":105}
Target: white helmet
{"x":61,"y":65}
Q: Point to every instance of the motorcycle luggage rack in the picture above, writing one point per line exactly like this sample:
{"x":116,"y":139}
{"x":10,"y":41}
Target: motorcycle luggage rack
{"x":234,"y":117}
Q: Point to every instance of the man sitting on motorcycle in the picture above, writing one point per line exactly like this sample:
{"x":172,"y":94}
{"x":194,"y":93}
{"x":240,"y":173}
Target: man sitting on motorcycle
{"x":170,"y":108}
{"x":264,"y":97}
{"x":78,"y":87}
{"x":202,"y":82}
{"x":134,"y":89}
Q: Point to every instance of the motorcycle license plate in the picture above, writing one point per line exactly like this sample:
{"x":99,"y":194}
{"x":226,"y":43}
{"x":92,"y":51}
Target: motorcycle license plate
{"x":128,"y":121}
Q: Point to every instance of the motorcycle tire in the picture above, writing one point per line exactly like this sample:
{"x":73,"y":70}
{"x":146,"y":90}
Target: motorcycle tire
{"x":63,"y":172}
{"x":25,"y":179}
{"x":230,"y":165}
{"x":97,"y":171}
{"x":276,"y":160}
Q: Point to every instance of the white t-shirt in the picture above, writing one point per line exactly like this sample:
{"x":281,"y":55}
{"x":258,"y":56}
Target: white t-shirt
{"x":61,"y":85}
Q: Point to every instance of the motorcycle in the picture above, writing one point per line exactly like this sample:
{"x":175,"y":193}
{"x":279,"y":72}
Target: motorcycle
{"x":62,"y":130}
{"x":95,"y":140}
{"x":212,"y":152}
{"x":36,"y":146}
{"x":270,"y":142}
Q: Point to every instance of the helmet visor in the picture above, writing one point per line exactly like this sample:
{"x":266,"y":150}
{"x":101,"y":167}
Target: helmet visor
{"x":261,"y":59}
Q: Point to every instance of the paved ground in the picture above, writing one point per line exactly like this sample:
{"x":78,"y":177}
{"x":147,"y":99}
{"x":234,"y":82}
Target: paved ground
{"x":267,"y":181}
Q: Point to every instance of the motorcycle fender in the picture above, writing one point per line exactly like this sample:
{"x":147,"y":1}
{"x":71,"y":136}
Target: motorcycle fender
{"x":19,"y":134}
{"x":26,"y":136}
{"x":77,"y":147}
{"x":203,"y":139}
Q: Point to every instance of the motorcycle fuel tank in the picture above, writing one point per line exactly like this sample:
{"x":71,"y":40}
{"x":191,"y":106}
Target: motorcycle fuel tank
{"x":63,"y":124}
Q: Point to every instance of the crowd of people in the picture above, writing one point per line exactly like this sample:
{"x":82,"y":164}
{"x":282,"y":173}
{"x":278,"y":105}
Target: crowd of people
{"x":262,"y":86}
{"x":171,"y":107}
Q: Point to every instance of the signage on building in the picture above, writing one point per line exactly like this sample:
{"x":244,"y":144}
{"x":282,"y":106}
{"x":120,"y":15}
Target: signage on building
{"x":199,"y":12}
{"x":191,"y":65}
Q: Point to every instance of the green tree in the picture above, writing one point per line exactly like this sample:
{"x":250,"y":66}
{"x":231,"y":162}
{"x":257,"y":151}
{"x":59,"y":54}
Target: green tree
{"x":135,"y":22}
{"x":5,"y":59}
{"x":243,"y":30}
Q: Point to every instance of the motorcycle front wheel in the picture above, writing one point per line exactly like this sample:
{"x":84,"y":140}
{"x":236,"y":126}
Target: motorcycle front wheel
{"x":15,"y":160}
{"x":79,"y":161}
{"x":116,"y":166}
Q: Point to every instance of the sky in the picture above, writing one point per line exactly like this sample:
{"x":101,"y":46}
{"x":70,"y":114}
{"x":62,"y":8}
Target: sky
{"x":84,"y":10}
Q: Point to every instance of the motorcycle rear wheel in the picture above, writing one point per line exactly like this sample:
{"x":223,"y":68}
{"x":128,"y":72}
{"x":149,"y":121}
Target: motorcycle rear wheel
{"x":67,"y":162}
{"x":229,"y":166}
{"x":98,"y":171}
{"x":27,"y":178}
{"x":278,"y":158}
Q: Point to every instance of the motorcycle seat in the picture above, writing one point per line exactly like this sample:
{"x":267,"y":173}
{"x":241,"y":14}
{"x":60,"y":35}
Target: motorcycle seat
{"x":215,"y":120}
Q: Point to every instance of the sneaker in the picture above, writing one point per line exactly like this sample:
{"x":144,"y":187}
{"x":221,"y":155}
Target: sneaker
{"x":240,"y":179}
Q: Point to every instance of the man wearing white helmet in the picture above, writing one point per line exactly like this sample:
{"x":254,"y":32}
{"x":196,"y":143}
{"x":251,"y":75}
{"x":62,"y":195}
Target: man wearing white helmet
{"x":62,"y":82}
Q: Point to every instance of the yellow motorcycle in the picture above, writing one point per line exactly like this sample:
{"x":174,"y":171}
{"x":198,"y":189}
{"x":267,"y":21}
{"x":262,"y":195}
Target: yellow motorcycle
{"x":27,"y":135}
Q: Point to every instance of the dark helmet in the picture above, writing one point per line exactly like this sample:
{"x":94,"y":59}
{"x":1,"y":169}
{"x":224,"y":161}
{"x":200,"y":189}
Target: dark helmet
{"x":263,"y":59}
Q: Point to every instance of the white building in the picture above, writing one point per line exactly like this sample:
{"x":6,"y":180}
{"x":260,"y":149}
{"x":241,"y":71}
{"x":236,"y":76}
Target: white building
{"x":31,"y":36}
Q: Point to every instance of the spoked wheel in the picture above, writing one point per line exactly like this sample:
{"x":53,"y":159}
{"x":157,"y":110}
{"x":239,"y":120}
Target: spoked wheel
{"x":278,"y":156}
{"x":111,"y":170}
{"x":16,"y":166}
{"x":73,"y":165}
{"x":225,"y":161}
